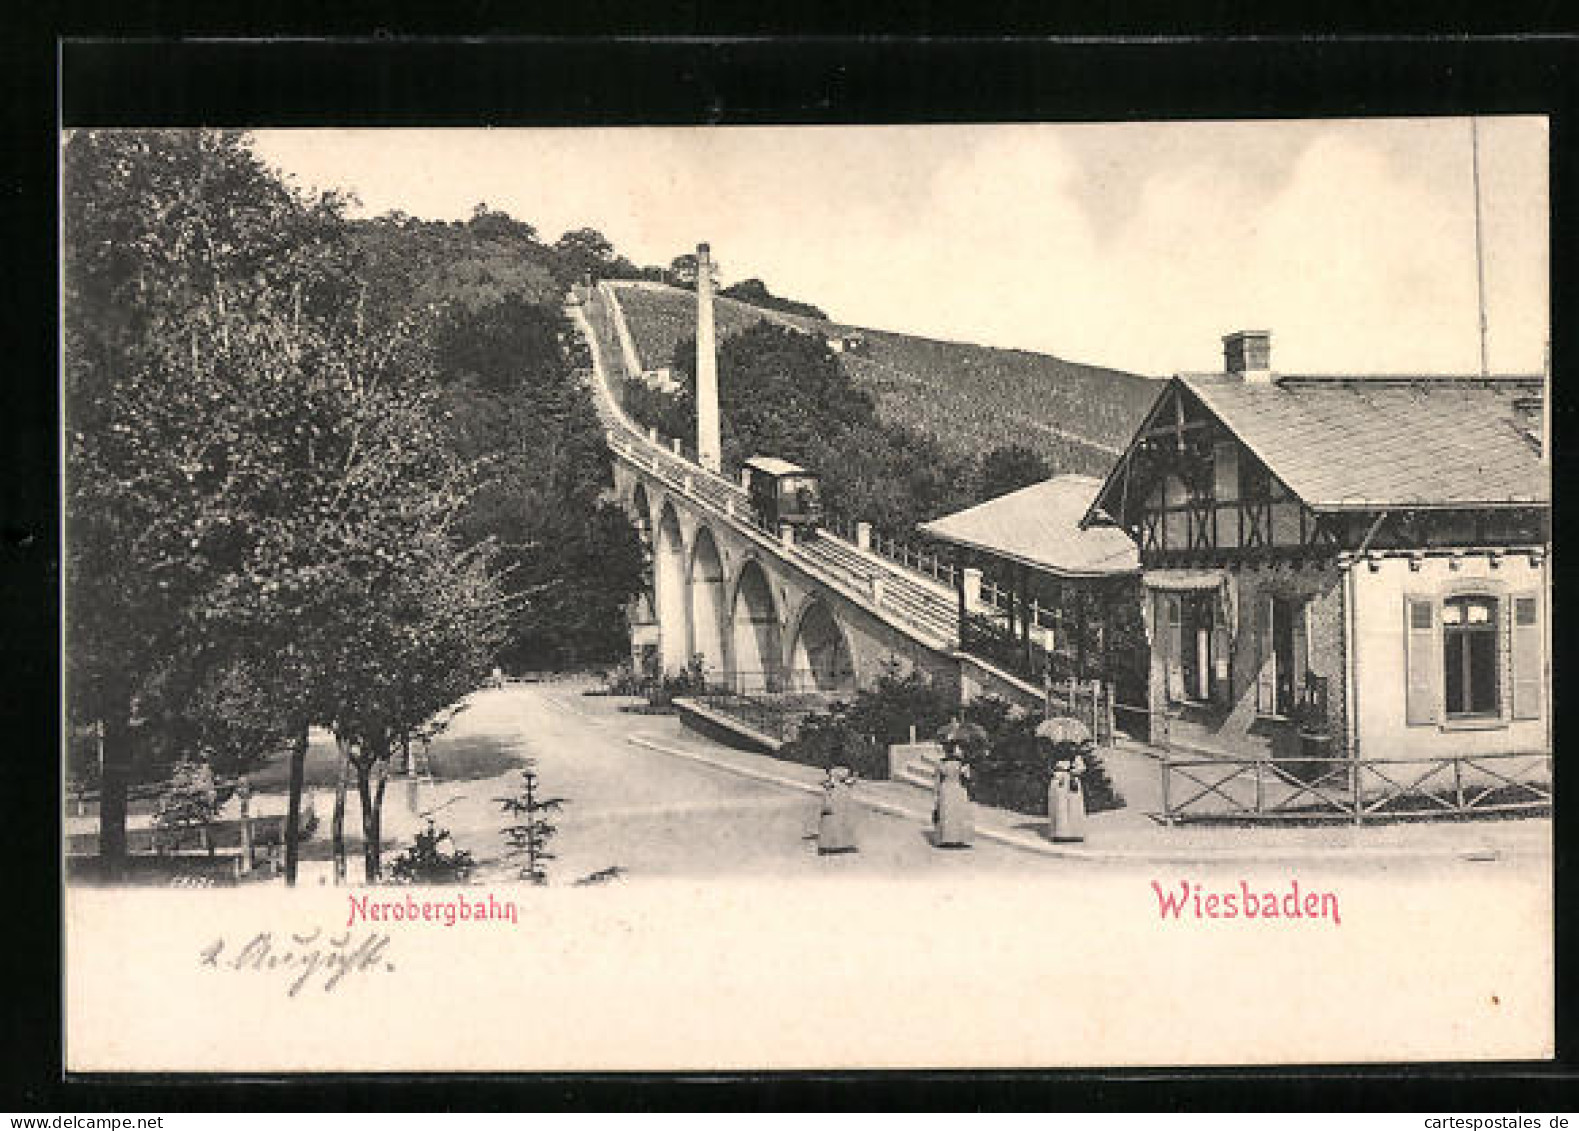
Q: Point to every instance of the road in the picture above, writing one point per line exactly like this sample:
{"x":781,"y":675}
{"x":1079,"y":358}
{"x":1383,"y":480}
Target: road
{"x":649,"y":813}
{"x":630,"y":805}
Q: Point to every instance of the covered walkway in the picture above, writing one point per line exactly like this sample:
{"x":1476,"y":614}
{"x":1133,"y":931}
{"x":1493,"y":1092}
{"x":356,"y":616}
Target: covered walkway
{"x":1039,"y":594}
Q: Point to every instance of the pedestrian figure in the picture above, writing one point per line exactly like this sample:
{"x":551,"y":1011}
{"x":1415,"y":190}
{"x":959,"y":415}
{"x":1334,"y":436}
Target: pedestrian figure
{"x":1066,"y":798}
{"x":954,"y":824}
{"x":836,"y":824}
{"x":954,"y":821}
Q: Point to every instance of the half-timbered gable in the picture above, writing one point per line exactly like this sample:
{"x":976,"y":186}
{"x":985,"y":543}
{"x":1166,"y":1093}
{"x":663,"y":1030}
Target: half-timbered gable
{"x":1361,"y":555}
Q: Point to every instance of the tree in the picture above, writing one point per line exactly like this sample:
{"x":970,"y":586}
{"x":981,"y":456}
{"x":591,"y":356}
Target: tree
{"x":682,"y":270}
{"x":586,"y":252}
{"x":190,"y":801}
{"x":275,"y":513}
{"x":489,"y":224}
{"x":785,"y":393}
{"x":756,"y":292}
{"x":421,"y":634}
{"x":528,"y":837}
{"x":570,"y":555}
{"x":1008,"y":468}
{"x":163,"y":229}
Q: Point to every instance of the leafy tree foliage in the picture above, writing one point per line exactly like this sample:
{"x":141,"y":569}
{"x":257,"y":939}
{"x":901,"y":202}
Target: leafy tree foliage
{"x":857,"y":732}
{"x":262,"y":485}
{"x":166,"y":233}
{"x":784,"y":393}
{"x":585,"y":253}
{"x":189,"y":801}
{"x":410,"y":266}
{"x":519,"y":405}
{"x":756,"y":292}
{"x":1015,"y":769}
{"x":1010,"y":468}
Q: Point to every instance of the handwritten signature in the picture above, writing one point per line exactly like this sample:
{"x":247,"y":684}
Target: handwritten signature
{"x":303,"y":956}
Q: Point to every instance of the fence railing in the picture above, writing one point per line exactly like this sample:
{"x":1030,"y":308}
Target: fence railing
{"x":997,"y":597}
{"x":771,"y":703}
{"x":1326,"y":789}
{"x":914,"y":558}
{"x":798,"y":681}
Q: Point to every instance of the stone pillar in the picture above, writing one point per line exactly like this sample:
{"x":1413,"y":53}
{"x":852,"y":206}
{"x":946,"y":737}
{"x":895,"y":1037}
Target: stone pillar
{"x":674,"y":445}
{"x":877,"y":589}
{"x":652,"y":434}
{"x":972,"y":577}
{"x":863,"y":535}
{"x":709,"y":446}
{"x":786,"y":534}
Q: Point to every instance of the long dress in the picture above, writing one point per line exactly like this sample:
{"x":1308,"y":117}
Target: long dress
{"x":836,"y":824}
{"x":1066,"y":801}
{"x":956,"y":825}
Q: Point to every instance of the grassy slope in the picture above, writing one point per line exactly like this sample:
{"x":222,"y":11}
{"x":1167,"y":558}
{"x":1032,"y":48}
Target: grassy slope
{"x":971,"y":398}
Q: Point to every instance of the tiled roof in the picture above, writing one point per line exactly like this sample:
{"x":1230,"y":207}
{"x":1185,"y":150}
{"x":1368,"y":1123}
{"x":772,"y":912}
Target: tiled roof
{"x":1350,"y":443}
{"x":1039,"y":526}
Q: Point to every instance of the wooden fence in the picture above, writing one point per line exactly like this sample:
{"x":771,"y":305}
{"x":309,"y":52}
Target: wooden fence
{"x":1339,"y":789}
{"x":1089,"y":700}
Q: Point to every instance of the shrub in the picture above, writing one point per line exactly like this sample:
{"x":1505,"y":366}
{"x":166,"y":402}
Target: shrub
{"x":831,"y":739}
{"x":858,"y":732}
{"x":1015,"y":769}
{"x":190,"y":800}
{"x":623,"y":680}
{"x":664,"y":690}
{"x":426,"y":862}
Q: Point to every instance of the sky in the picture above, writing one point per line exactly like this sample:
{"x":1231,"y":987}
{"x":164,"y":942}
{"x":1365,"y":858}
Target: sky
{"x":1135,"y":245}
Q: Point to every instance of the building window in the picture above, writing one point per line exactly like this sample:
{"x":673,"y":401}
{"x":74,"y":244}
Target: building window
{"x":1469,"y":657}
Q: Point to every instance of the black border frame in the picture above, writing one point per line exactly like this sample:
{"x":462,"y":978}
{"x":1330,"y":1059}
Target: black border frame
{"x":382,"y":79}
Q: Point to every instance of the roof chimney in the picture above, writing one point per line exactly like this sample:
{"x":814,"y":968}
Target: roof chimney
{"x":1247,"y":355}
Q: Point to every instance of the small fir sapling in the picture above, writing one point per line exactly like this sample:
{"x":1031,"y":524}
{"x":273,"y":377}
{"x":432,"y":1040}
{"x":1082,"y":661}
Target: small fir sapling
{"x":528,"y":837}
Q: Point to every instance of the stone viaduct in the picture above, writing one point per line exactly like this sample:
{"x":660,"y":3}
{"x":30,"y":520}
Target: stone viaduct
{"x":760,"y":611}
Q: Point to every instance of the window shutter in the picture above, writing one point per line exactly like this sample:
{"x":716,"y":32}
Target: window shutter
{"x":1420,"y":631}
{"x":1266,"y":671}
{"x":1528,"y":664}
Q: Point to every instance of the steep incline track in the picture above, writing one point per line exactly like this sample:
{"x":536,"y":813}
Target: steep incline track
{"x":916,"y":605}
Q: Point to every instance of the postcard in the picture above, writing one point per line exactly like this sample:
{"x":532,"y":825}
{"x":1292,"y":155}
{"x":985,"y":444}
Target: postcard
{"x":787,"y":597}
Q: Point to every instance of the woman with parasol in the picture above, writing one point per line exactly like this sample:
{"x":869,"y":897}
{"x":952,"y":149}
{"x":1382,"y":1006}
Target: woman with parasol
{"x":953,"y":820}
{"x":1066,"y":800}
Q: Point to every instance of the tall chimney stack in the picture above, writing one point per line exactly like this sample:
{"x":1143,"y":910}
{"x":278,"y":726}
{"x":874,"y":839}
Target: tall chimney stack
{"x":709,"y":447}
{"x":1247,"y":355}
